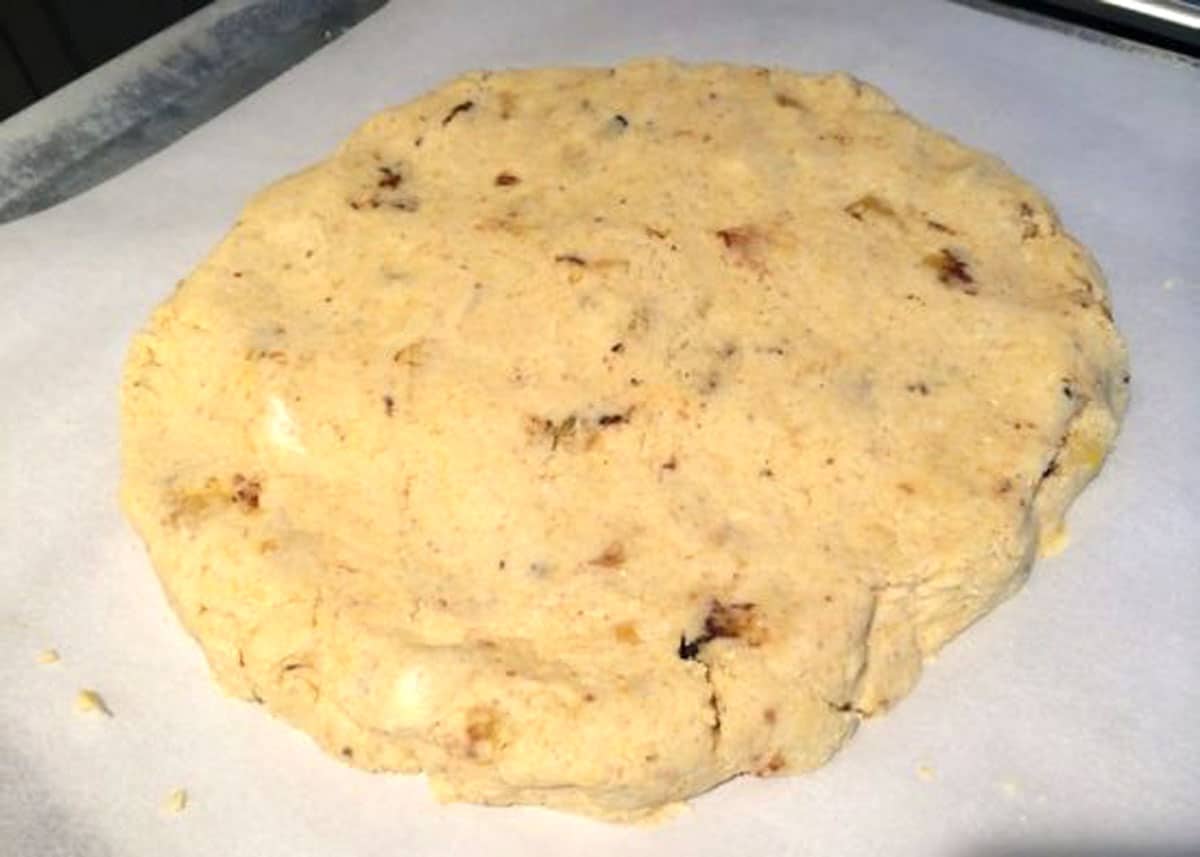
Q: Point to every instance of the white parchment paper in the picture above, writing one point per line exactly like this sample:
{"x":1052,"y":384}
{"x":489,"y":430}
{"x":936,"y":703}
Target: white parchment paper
{"x":1071,"y":715}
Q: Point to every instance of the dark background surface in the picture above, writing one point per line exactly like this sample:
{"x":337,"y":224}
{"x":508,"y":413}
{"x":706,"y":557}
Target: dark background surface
{"x":1127,"y":24}
{"x":45,"y":44}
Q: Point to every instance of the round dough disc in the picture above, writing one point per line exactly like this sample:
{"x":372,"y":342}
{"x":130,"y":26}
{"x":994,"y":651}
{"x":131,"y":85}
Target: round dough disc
{"x":588,"y":437}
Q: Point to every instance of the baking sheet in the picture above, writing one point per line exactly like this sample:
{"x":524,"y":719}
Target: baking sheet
{"x":151,"y":95}
{"x":1066,"y":717}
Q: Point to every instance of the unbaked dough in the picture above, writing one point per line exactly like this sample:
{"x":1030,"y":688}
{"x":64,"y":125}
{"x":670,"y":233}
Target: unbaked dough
{"x":587,"y":437}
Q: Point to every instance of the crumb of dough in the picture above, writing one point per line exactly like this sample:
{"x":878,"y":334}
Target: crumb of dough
{"x":926,"y":773}
{"x":176,"y":801}
{"x":1009,"y":788}
{"x":48,"y":656}
{"x":88,"y":701}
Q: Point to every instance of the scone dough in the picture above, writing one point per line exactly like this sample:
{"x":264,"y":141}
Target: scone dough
{"x":587,"y":437}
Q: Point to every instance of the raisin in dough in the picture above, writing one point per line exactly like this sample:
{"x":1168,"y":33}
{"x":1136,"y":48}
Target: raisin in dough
{"x":588,"y":437}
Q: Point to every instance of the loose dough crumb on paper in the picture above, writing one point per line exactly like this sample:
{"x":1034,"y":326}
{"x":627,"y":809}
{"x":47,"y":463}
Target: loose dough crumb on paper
{"x":926,"y":773}
{"x":1010,"y":788}
{"x":88,"y":701}
{"x":48,"y":656}
{"x":176,"y":801}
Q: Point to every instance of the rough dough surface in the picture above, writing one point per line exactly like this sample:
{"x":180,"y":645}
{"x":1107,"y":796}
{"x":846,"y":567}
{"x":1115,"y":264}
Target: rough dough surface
{"x":588,"y":437}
